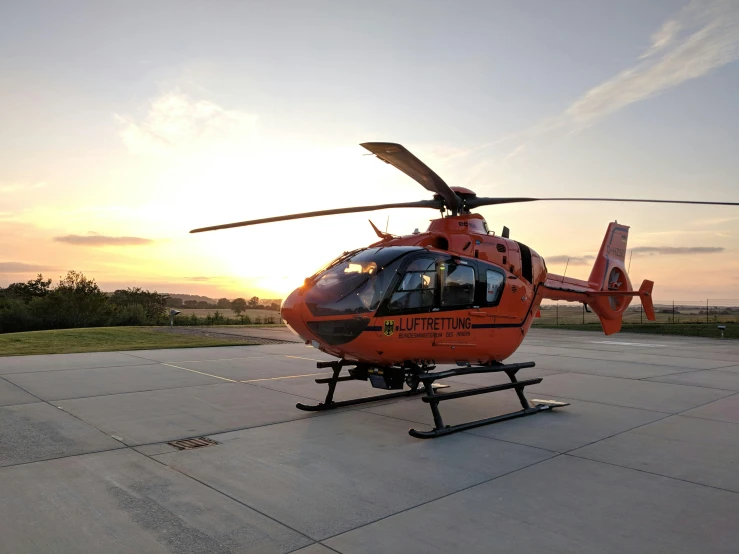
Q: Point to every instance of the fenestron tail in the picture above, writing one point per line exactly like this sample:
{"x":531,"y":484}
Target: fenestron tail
{"x":608,"y":290}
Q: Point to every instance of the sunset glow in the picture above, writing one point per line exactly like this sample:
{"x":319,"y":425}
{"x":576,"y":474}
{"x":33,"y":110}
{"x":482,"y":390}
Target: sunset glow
{"x":116,"y":143}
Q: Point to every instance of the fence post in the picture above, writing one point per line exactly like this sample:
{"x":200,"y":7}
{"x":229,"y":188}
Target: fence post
{"x":583,"y":313}
{"x":641,"y":313}
{"x":706,"y":310}
{"x":557,"y":320}
{"x":673,"y":311}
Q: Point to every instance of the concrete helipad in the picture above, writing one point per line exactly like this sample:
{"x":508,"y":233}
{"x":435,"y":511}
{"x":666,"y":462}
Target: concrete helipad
{"x":646,"y":458}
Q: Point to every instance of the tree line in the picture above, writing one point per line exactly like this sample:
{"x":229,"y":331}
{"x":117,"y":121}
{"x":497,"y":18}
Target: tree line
{"x":238,"y":305}
{"x":76,"y":301}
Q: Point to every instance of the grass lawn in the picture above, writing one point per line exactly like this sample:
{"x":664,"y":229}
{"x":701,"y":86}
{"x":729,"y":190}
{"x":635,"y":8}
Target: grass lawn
{"x":101,"y":339}
{"x":229,"y":313}
{"x":684,"y":329}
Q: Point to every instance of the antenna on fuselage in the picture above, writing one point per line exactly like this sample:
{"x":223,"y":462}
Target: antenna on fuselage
{"x":506,"y":232}
{"x":565,"y":273}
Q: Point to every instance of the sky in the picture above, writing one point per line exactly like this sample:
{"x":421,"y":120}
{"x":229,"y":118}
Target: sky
{"x":126,"y":124}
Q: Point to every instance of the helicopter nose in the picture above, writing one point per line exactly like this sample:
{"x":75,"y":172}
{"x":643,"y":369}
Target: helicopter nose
{"x":290,"y":312}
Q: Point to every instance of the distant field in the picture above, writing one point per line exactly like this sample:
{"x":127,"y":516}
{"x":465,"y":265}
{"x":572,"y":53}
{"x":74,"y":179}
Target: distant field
{"x":683,"y":329}
{"x":101,"y":339}
{"x":230,"y":313}
{"x":573,"y":314}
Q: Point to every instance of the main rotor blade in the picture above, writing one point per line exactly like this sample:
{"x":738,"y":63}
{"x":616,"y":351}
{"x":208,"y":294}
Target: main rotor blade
{"x":399,"y":157}
{"x":436,"y":204}
{"x":482,"y":201}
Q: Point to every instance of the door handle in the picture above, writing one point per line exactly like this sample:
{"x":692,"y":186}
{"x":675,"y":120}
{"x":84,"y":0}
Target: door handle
{"x":479,"y":314}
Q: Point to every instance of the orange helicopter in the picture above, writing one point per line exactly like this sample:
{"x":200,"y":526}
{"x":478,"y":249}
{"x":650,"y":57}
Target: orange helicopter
{"x":455,"y":294}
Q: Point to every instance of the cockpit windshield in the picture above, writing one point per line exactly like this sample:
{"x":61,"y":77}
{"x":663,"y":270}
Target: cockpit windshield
{"x":356,"y":284}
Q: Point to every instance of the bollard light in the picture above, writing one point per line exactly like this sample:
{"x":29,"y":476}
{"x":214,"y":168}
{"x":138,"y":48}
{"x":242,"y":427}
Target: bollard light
{"x":172,"y":313}
{"x":722,"y":328}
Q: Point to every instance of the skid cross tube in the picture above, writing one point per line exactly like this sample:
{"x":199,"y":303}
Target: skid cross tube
{"x":433,"y":399}
{"x":329,"y":404}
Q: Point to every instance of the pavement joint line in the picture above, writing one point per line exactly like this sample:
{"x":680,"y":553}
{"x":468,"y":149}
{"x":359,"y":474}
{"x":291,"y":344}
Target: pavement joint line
{"x":471,"y":431}
{"x":646,"y":379}
{"x":651,"y":473}
{"x":224,"y":431}
{"x":671,"y":374}
{"x":649,"y":423}
{"x":617,"y":434}
{"x":651,"y":380}
{"x":154,"y":457}
{"x":625,"y":361}
{"x":682,"y":415}
{"x":621,"y":405}
{"x":660,"y":353}
{"x":218,"y":491}
{"x":41,"y":400}
{"x":723,"y":369}
{"x":611,"y":376}
{"x":77,"y":368}
{"x":326,"y":413}
{"x":313,"y":544}
{"x":485,"y":482}
{"x":122,"y":447}
{"x":201,"y":372}
{"x":127,"y":392}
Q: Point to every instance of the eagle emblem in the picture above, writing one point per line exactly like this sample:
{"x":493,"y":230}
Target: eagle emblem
{"x":389,"y":327}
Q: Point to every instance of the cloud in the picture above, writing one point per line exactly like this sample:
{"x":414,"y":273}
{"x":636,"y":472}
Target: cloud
{"x":639,"y":251}
{"x":14,"y":187}
{"x":574,"y":260}
{"x":176,"y":122}
{"x":662,"y":38}
{"x":703,"y":36}
{"x":713,"y":221}
{"x":20,"y":267}
{"x":198,"y":279}
{"x":102,"y":240}
{"x":678,"y":250}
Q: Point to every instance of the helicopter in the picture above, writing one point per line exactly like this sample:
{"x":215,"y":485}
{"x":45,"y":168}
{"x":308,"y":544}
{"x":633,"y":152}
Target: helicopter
{"x":455,"y":294}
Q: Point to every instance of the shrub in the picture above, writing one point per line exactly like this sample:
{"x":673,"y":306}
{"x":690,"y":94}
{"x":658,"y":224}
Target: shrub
{"x":15,"y":316}
{"x":130,"y":314}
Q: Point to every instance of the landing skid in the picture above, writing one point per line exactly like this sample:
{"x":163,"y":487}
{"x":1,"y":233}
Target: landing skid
{"x":433,"y":399}
{"x":427,"y":379}
{"x":329,"y":404}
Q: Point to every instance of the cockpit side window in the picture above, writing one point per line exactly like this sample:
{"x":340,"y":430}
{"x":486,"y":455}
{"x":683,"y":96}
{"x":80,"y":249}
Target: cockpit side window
{"x":416,"y":290}
{"x":494,"y":280}
{"x":457,"y":285}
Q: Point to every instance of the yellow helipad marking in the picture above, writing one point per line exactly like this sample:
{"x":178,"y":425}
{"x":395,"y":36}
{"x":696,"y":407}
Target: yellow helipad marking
{"x":301,"y":358}
{"x":201,"y":372}
{"x":289,"y":377}
{"x":221,"y":359}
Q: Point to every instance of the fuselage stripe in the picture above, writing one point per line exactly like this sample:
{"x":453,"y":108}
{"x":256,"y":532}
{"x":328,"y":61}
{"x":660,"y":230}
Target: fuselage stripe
{"x":377,"y":328}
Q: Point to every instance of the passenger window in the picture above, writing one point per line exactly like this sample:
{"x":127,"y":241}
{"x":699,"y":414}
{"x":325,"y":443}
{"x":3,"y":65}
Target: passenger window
{"x":458,"y":285}
{"x":416,"y":289}
{"x":494,"y":284}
